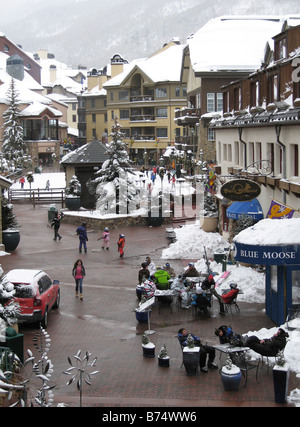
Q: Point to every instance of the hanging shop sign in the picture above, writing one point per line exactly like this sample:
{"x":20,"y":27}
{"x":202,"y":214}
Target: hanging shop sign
{"x":240,"y":190}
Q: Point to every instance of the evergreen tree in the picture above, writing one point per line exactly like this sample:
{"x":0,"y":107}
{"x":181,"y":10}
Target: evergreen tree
{"x":14,"y":147}
{"x":116,"y":191}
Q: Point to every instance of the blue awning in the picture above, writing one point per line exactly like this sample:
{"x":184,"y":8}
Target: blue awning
{"x":251,"y":209}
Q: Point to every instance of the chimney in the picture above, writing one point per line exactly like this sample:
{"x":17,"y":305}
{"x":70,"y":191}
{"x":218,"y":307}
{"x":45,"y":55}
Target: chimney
{"x":117,"y":65}
{"x":15,"y":67}
{"x":53,"y":74}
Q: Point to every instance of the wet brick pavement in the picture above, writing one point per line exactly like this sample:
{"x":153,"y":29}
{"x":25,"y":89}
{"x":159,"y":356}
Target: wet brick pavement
{"x":105,"y":324}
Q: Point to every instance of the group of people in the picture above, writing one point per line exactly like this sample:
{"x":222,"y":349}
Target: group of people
{"x":266,"y":347}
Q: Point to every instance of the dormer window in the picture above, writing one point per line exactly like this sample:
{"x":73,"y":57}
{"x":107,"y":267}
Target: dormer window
{"x":280,"y":49}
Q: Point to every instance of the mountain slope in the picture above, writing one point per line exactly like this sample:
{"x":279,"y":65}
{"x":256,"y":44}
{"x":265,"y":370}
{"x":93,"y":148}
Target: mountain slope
{"x":90,"y":32}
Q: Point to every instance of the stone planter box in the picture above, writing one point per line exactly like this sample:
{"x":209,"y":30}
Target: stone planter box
{"x":208,"y":223}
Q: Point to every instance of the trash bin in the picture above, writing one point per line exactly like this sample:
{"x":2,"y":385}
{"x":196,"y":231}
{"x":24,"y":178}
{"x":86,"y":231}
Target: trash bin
{"x":15,"y":342}
{"x":219,"y":256}
{"x":52,"y":212}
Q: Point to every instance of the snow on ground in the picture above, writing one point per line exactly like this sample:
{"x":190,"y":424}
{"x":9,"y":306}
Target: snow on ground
{"x":190,"y":244}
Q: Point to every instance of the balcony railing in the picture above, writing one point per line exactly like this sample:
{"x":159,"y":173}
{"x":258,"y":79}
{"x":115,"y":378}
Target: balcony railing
{"x":143,"y":137}
{"x":143,"y":118}
{"x":141,"y":98}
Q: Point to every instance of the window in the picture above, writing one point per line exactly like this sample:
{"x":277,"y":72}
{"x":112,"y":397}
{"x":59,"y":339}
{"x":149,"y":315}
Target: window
{"x":184,"y":92}
{"x":93,"y":103}
{"x":273,"y":89}
{"x":74,"y":106}
{"x":124,"y":114}
{"x":219,"y":101}
{"x":93,"y":118}
{"x":236,"y":153}
{"x":111,"y":96}
{"x":160,"y":92}
{"x":258,"y":156}
{"x":162,"y":133}
{"x":254,"y":94}
{"x":226,"y":102}
{"x":74,"y":118}
{"x":295,"y":162}
{"x":237,"y":98}
{"x":44,"y":284}
{"x":6,"y":48}
{"x":123,"y":95}
{"x":211,"y":134}
{"x":198,"y":100}
{"x":177,"y":92}
{"x":94,"y":133}
{"x":270,"y":154}
{"x":210,"y":102}
{"x":112,"y":115}
{"x":251,"y":152}
{"x":280,"y":49}
{"x":161,"y":113}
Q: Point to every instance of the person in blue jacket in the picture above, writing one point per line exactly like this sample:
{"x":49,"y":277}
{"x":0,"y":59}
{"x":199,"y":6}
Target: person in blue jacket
{"x":83,"y":238}
{"x":205,"y":350}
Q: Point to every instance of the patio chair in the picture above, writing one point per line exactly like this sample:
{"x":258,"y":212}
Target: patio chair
{"x":240,"y":360}
{"x":232,"y":306}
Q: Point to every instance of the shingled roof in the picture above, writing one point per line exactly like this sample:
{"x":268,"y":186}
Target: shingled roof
{"x":92,"y":153}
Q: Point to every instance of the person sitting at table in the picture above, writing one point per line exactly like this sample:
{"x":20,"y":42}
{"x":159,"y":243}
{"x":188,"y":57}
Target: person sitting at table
{"x":205,"y":350}
{"x":191,"y":271}
{"x":170,"y":270}
{"x":226,"y":298}
{"x":268,"y":347}
{"x":228,"y":336}
{"x":151,"y":266}
{"x":161,"y":279}
{"x":144,"y":273}
{"x":201,"y":300}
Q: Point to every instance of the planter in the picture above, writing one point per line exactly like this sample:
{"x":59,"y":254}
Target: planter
{"x":191,"y":360}
{"x":281,"y":382}
{"x":148,"y":350}
{"x":73,"y":203}
{"x":10,"y":239}
{"x":231,"y":378}
{"x":209,"y":223}
{"x":164,"y":362}
{"x":142,"y":316}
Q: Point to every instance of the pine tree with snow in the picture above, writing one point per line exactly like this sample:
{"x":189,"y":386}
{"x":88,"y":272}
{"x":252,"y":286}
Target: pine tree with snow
{"x":8,"y":307}
{"x":116,"y":190}
{"x":14,"y":147}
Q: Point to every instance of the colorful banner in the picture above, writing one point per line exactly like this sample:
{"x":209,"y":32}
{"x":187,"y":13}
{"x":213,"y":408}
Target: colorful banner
{"x":278,"y":210}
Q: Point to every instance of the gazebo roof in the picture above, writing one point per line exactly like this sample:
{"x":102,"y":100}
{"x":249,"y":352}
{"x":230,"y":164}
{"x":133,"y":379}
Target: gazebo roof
{"x":92,"y":153}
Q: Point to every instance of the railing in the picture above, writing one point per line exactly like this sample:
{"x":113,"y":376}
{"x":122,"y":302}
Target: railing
{"x":142,"y":118}
{"x":35,"y":196}
{"x":142,"y":98}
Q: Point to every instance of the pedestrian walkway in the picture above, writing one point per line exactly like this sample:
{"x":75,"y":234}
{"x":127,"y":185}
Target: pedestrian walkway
{"x":105,"y":323}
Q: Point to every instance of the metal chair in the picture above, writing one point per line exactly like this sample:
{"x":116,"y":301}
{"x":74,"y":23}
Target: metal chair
{"x":240,"y":360}
{"x":181,"y":347}
{"x":232,"y":306}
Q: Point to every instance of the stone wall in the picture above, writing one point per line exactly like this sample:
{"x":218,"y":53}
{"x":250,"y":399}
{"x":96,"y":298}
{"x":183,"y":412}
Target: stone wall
{"x":98,"y":224}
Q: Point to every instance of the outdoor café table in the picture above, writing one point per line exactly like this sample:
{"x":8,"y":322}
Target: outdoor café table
{"x":164,"y":293}
{"x":229,"y":349}
{"x":238,"y":357}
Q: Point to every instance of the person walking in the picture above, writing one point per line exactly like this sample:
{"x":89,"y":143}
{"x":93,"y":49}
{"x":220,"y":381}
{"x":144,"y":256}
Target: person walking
{"x":83,"y":238}
{"x":78,"y":273}
{"x":56,"y":225}
{"x":121,"y":244}
{"x":105,"y":237}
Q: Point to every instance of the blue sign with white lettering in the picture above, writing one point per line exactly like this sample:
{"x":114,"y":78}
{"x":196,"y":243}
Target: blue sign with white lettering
{"x":267,"y":255}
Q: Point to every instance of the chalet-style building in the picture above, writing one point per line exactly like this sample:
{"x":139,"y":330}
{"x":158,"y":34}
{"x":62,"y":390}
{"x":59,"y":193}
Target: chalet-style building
{"x":226,"y":49}
{"x":257,"y":134}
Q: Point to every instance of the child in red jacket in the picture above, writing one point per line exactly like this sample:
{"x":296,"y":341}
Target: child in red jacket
{"x":121,"y":244}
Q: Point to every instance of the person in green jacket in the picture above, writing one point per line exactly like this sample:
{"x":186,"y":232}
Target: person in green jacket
{"x":161,"y":278}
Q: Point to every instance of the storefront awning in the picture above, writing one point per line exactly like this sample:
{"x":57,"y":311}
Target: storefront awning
{"x":251,"y":209}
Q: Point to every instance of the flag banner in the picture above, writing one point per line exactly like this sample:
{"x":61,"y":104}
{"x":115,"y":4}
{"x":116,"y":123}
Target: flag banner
{"x":278,"y":210}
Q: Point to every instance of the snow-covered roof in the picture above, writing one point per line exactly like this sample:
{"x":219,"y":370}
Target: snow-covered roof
{"x":236,"y":43}
{"x":93,"y":152}
{"x":164,"y":66}
{"x":271,"y":232}
{"x":36,"y":109}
